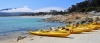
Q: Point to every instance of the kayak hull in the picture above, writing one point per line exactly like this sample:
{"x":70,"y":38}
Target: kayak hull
{"x":76,"y":31}
{"x":96,"y":27}
{"x":53,"y":34}
{"x":85,"y":29}
{"x":73,"y":31}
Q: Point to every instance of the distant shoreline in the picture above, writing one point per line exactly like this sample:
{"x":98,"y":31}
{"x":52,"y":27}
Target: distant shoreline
{"x":29,"y":16}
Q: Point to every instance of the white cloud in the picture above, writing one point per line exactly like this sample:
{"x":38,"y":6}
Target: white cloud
{"x":23,"y":9}
{"x":47,"y":9}
{"x":26,"y":9}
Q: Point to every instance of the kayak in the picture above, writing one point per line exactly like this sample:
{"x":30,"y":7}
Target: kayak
{"x":72,"y":31}
{"x":76,"y":31}
{"x":93,"y":28}
{"x":98,"y":23}
{"x":94,"y":23}
{"x":85,"y":29}
{"x":96,"y":27}
{"x":50,"y":33}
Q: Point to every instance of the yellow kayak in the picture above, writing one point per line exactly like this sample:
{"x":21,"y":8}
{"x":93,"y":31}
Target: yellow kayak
{"x":98,"y":26}
{"x":85,"y":29}
{"x":95,"y":27}
{"x":72,"y":31}
{"x":50,"y":33}
{"x":76,"y":31}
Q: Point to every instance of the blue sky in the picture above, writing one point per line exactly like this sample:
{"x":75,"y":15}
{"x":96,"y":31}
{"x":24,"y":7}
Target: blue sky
{"x":36,"y":4}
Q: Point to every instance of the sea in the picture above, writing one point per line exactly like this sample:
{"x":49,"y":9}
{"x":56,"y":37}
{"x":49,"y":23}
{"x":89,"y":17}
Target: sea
{"x":15,"y":24}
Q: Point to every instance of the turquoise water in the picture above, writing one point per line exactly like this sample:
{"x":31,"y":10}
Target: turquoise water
{"x":12,"y":24}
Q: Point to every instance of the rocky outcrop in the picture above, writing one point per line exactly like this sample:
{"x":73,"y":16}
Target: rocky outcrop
{"x":72,"y":18}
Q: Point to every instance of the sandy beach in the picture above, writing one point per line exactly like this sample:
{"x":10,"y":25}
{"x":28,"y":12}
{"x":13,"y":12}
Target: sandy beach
{"x":71,"y":21}
{"x":46,"y":16}
{"x":35,"y":16}
{"x":85,"y":37}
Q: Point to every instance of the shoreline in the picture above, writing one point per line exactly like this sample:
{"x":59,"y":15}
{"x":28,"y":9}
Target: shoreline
{"x":73,"y":38}
{"x":86,"y":37}
{"x":29,"y":16}
{"x":14,"y":35}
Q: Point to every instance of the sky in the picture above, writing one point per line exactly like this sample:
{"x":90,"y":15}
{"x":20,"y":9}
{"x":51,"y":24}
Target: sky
{"x":38,"y":4}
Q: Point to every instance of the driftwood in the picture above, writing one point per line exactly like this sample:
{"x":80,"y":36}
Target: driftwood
{"x":20,"y":38}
